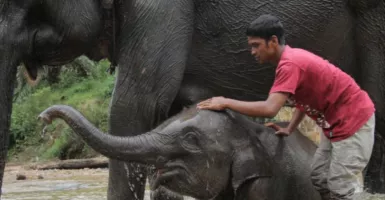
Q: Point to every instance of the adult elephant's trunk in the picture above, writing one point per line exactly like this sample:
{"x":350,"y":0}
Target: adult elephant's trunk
{"x":142,"y":148}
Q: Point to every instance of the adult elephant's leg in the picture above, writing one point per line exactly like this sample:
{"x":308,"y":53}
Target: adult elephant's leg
{"x":13,"y":42}
{"x":154,"y":49}
{"x":8,"y":66}
{"x":370,"y":40}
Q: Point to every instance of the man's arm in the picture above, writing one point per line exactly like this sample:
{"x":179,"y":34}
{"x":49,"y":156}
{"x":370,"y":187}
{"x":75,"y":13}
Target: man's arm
{"x":285,"y":83}
{"x":268,"y":108}
{"x":295,"y":120}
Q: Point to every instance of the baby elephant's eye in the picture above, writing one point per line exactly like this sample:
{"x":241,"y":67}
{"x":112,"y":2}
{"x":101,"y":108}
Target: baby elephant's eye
{"x":191,"y":137}
{"x":190,"y":142}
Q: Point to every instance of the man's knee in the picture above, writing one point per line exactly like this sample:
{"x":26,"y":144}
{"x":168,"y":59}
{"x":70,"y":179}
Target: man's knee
{"x":320,"y":169}
{"x":344,"y":180}
{"x":342,"y":195}
{"x":314,"y":176}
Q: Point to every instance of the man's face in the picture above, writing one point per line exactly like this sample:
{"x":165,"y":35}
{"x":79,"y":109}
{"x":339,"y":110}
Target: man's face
{"x":262,"y":51}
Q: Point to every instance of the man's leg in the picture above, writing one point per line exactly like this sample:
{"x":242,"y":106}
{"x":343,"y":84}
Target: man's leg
{"x":349,"y":158}
{"x":320,"y":167}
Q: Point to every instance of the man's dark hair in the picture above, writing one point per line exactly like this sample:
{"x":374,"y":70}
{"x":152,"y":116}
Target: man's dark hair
{"x":266,"y":26}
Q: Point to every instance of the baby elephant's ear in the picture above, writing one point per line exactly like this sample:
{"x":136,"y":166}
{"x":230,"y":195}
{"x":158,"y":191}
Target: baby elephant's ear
{"x":248,"y":164}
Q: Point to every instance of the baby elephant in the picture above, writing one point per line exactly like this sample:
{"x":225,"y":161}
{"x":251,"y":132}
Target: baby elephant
{"x":209,"y":155}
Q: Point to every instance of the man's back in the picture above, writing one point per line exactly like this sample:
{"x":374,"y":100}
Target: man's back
{"x":327,"y":94}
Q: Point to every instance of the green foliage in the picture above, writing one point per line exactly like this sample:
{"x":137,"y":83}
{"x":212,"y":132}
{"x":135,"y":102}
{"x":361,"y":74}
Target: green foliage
{"x":89,"y":94}
{"x":59,"y":144}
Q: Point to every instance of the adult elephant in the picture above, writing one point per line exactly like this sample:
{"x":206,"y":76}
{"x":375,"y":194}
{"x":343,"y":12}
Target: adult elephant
{"x":209,"y":155}
{"x":174,"y":53}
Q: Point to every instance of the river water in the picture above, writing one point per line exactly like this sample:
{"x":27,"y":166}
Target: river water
{"x":57,"y":184}
{"x":65,"y":185}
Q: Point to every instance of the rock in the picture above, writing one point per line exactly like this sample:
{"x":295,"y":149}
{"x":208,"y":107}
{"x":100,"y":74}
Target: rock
{"x":21,"y":177}
{"x":40,"y":176}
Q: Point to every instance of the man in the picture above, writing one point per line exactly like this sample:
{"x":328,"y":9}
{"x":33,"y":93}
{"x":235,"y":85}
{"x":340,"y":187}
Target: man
{"x":323,"y":92}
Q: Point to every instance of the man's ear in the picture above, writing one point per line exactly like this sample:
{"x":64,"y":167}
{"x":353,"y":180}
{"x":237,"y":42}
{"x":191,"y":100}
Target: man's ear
{"x":274,"y":40}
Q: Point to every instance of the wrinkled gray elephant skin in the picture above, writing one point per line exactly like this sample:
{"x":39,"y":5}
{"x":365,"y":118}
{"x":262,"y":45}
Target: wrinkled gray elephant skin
{"x":207,"y":154}
{"x":174,"y":53}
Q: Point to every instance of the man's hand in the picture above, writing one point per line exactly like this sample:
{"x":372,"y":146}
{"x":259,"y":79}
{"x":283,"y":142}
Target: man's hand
{"x":215,"y":103}
{"x":279,"y":130}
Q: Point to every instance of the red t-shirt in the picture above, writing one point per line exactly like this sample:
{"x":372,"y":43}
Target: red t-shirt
{"x":325,"y":93}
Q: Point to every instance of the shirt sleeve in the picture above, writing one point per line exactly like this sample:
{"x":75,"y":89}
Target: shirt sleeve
{"x":286,"y":78}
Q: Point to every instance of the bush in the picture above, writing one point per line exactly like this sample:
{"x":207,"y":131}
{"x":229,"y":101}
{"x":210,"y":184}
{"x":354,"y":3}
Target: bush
{"x":90,"y":95}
